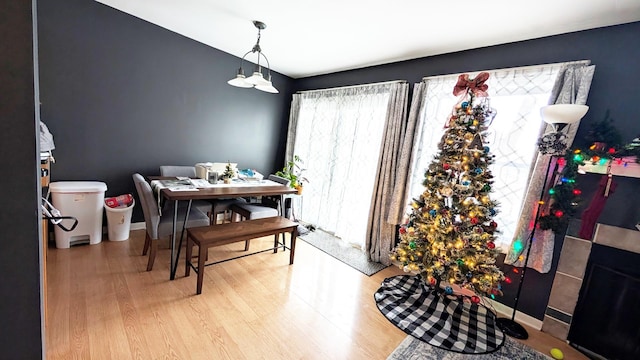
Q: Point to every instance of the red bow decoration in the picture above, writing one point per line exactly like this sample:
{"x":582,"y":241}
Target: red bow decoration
{"x":477,"y":85}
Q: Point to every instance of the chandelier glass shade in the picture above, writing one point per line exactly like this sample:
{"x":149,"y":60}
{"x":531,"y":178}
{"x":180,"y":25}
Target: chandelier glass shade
{"x":559,"y":116}
{"x":257,"y":80}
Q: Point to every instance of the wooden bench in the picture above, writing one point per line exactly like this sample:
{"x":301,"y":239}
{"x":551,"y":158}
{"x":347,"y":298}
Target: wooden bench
{"x":222,"y":234}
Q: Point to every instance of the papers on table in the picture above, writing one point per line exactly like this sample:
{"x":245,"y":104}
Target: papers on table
{"x":179,"y":184}
{"x":250,"y":175}
{"x":247,"y":183}
{"x":186,"y":184}
{"x":201,"y":183}
{"x":174,"y":185}
{"x":204,"y":184}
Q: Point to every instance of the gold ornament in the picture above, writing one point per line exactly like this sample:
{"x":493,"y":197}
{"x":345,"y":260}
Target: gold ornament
{"x":446,"y":191}
{"x":468,"y":137}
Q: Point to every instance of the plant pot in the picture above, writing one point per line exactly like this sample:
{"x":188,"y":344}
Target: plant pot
{"x":299,"y":188}
{"x":227,"y":180}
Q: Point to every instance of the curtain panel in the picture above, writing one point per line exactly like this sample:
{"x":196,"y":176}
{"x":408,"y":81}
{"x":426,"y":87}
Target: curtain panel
{"x":380,"y":236}
{"x":293,"y":125}
{"x":409,"y":147}
{"x":571,"y":87}
{"x":342,"y":136}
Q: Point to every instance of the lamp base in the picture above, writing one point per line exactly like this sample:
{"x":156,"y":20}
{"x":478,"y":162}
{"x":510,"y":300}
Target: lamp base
{"x":512,"y":328}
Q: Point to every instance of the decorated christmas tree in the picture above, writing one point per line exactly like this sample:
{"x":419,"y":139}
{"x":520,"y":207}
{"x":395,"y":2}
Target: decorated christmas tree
{"x":449,"y":238}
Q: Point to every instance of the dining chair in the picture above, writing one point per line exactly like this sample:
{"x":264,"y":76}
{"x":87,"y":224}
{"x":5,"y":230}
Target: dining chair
{"x":270,"y":207}
{"x":205,"y":206}
{"x":161,"y":226}
{"x":278,"y":199}
{"x":178,"y":170}
{"x":223,"y":206}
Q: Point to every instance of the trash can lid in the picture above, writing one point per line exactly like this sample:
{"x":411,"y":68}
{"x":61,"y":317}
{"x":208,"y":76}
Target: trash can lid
{"x":77,"y":186}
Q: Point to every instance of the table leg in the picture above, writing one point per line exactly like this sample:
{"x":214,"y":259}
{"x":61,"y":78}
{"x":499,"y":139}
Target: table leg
{"x":172,"y":274}
{"x":294,"y":234}
{"x":201,"y":255}
{"x":283,"y":213}
{"x":188,"y":251}
{"x":276,"y":242}
{"x":174,"y":264}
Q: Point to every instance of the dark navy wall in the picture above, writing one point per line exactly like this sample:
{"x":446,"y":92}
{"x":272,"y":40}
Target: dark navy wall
{"x":20,"y":301}
{"x":616,"y":53}
{"x":121,"y":95}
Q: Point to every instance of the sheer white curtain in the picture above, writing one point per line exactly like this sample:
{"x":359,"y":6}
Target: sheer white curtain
{"x":338,"y":134}
{"x":517,"y":94}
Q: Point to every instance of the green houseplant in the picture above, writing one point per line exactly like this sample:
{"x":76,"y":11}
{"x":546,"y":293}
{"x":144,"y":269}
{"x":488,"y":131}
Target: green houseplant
{"x":293,"y":172}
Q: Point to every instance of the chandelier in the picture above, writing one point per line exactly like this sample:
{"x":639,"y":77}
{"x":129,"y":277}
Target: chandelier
{"x":257,"y":80}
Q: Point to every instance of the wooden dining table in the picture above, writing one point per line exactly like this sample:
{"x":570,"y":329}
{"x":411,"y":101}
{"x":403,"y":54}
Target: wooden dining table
{"x":236,"y":189}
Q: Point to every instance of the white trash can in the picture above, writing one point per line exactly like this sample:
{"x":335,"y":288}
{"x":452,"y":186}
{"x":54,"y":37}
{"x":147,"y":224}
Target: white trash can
{"x":84,"y":201}
{"x":119,"y":221}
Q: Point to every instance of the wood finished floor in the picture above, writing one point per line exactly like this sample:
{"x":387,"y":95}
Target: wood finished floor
{"x":102,"y":304}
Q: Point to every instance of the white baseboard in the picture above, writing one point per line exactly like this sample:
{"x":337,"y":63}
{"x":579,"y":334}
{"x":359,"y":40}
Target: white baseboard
{"x":138,"y":226}
{"x":134,"y":226}
{"x":521,"y":318}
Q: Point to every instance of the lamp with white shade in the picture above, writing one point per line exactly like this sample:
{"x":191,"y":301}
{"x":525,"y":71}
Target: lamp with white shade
{"x":559,"y":116}
{"x":257,"y":79}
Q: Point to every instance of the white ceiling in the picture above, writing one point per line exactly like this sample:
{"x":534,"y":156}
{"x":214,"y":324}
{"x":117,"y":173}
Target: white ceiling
{"x":311,"y":37}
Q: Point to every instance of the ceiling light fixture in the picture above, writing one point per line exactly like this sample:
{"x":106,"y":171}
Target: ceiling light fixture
{"x":257,"y":80}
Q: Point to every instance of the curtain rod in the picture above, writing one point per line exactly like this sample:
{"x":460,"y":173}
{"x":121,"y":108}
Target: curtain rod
{"x":354,"y":86}
{"x":579,"y":62}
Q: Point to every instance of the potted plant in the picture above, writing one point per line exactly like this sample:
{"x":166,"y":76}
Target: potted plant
{"x":293,"y":172}
{"x":228,"y":173}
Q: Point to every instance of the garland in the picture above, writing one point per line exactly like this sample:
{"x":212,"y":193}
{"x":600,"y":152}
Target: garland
{"x":605,"y":147}
{"x":565,"y":196}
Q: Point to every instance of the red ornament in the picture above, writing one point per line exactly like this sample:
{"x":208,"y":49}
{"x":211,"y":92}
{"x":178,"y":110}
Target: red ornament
{"x":432,"y":281}
{"x":474,"y":220}
{"x":558,"y":213}
{"x":493,"y":224}
{"x":403,"y":230}
{"x":475,"y":299}
{"x":446,"y":166}
{"x":612,"y":151}
{"x":507,"y":280}
{"x":491,"y":245}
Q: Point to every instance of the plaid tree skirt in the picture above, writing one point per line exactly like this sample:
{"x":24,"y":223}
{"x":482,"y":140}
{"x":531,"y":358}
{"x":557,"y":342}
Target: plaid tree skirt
{"x":442,"y":321}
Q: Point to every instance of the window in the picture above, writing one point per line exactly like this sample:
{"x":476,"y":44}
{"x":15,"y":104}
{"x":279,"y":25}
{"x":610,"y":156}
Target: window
{"x":517,"y":96}
{"x":338,"y":136}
